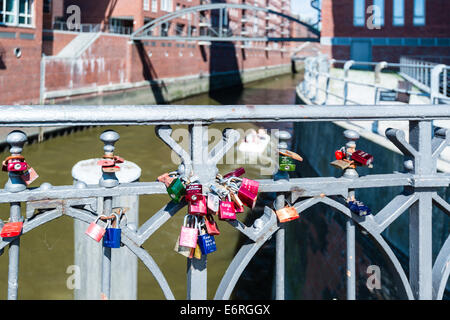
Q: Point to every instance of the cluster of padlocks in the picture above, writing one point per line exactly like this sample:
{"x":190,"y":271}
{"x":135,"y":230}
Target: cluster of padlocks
{"x":110,"y":232}
{"x":224,"y":198}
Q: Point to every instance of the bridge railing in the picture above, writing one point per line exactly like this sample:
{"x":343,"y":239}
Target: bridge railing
{"x":433,"y":84}
{"x":419,"y":181}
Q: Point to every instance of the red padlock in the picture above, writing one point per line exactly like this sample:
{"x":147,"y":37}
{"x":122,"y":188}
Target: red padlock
{"x":236,"y":173}
{"x":211,"y":226}
{"x":198,"y":207}
{"x":11,"y":229}
{"x":339,"y":155}
{"x":362,"y":157}
{"x":96,"y":231}
{"x":248,"y":198}
{"x":106,"y":162}
{"x":17,"y":166}
{"x":250,"y":185}
{"x":287,"y":214}
{"x":194,"y":192}
{"x":227,"y":210}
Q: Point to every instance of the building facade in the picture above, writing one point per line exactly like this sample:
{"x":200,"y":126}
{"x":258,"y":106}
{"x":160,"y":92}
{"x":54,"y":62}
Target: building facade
{"x":53,"y":49}
{"x":377,"y":30}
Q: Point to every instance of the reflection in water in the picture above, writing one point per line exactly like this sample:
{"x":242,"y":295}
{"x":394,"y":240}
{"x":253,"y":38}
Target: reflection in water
{"x":47,"y":252}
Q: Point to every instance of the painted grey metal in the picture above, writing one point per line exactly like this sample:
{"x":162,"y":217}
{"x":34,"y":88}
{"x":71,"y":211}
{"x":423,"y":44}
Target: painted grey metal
{"x":419,"y":182}
{"x":72,"y":115}
{"x":147,"y":32}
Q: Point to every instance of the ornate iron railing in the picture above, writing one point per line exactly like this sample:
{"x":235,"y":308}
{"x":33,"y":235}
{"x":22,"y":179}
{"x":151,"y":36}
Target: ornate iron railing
{"x":419,"y":180}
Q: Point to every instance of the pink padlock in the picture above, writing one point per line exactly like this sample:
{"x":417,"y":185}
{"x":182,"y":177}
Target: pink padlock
{"x":227,"y":210}
{"x":248,"y":198}
{"x":198,"y":207}
{"x":236,"y":173}
{"x":250,"y":185}
{"x":189,"y":234}
{"x":96,"y":231}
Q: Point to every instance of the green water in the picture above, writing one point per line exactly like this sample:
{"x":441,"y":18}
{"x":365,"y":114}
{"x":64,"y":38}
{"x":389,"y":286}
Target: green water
{"x":47,"y":251}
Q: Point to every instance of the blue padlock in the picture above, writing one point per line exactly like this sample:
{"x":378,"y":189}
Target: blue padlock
{"x":112,"y":235}
{"x":206,"y":242}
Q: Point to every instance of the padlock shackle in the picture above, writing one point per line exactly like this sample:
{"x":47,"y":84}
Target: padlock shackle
{"x":192,"y":216}
{"x":104,"y":218}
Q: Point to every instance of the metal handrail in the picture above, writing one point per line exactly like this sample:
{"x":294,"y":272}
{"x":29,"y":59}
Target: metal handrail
{"x":421,"y":180}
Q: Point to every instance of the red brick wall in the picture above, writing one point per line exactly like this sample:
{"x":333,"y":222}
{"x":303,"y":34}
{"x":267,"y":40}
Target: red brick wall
{"x":58,"y":42}
{"x":20,"y":77}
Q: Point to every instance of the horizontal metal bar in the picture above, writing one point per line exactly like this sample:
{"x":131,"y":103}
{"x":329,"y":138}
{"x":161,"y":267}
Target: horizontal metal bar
{"x":304,"y":187}
{"x":67,"y":115}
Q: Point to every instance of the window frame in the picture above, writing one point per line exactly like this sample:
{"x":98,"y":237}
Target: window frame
{"x":356,"y":22}
{"x":28,"y":14}
{"x":396,"y":3}
{"x":379,"y":15}
{"x":415,"y":18}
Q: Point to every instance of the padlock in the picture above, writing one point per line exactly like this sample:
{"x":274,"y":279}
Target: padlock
{"x":96,"y":231}
{"x":17,"y":166}
{"x":188,"y":234}
{"x":198,"y":207}
{"x":213,"y":202}
{"x":339,"y":155}
{"x":111,"y":169}
{"x":211,"y":226}
{"x":362,"y":158}
{"x":166,"y":179}
{"x":288,"y":213}
{"x":112,"y":237}
{"x":206,"y":241}
{"x":184,"y":251}
{"x":194,"y":192}
{"x":106,"y":162}
{"x":248,"y":198}
{"x":250,"y":185}
{"x":236,"y":173}
{"x":11,"y":229}
{"x":176,"y":190}
{"x":238,"y":205}
{"x":118,"y":159}
{"x":227,"y":210}
{"x":286,"y":163}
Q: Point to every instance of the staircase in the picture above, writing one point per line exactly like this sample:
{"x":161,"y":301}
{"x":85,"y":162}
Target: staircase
{"x":78,"y":45}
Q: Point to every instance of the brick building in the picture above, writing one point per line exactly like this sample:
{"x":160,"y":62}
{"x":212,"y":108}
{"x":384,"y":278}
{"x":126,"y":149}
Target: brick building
{"x":353,"y":29}
{"x":42,"y":57}
{"x":20,"y":50}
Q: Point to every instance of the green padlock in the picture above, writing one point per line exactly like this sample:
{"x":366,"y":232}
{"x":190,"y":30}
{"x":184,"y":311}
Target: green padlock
{"x":176,"y":190}
{"x":286,"y":163}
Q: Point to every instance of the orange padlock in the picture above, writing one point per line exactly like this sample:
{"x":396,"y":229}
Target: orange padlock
{"x":288,"y":213}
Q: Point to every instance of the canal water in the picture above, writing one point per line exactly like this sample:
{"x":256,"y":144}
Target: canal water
{"x":47,"y":252}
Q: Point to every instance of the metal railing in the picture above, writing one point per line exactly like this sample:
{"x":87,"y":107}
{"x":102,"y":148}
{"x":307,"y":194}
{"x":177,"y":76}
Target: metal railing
{"x":419,"y":71}
{"x":88,"y":27}
{"x":319,"y":67}
{"x":420,"y":180}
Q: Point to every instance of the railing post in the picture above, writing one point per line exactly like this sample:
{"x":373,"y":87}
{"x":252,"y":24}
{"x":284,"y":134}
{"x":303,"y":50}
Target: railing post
{"x":420,"y":213}
{"x":347,"y":66}
{"x":197,"y":268}
{"x":94,"y":263}
{"x":16,"y":139}
{"x":283,"y":137}
{"x":435,"y":81}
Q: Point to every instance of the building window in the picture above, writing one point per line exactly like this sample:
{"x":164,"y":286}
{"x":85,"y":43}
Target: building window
{"x":419,"y":13}
{"x":358,"y":13}
{"x":16,"y":12}
{"x":47,"y":6}
{"x":166,"y":5}
{"x":154,"y":5}
{"x":378,"y":13}
{"x":146,"y":5}
{"x":399,"y":13}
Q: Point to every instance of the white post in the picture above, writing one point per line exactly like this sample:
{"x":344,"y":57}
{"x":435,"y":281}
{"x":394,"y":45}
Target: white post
{"x":88,"y":253}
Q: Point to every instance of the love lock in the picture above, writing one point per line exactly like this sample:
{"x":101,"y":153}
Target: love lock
{"x":95,"y":231}
{"x":112,"y":236}
{"x":11,"y":229}
{"x":288,"y":213}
